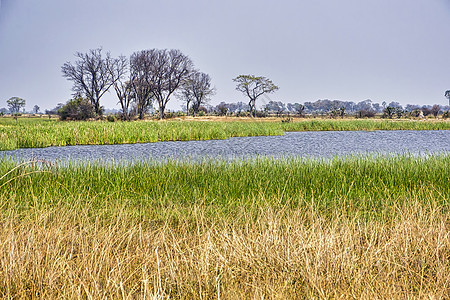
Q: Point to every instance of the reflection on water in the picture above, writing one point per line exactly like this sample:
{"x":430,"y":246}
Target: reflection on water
{"x":321,"y":144}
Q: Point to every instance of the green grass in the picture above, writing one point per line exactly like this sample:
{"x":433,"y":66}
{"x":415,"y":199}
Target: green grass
{"x":366,"y":124}
{"x":33,"y":133}
{"x":371,"y":185}
{"x":354,"y":227}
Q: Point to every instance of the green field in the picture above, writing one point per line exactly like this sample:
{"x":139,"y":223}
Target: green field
{"x":356,"y":227}
{"x":41,"y":132}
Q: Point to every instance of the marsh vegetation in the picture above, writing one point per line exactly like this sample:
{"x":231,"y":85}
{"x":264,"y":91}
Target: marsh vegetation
{"x":354,"y":227}
{"x":40,"y":132}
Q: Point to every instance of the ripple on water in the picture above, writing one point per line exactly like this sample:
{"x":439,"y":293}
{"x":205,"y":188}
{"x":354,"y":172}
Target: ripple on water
{"x":316,"y":144}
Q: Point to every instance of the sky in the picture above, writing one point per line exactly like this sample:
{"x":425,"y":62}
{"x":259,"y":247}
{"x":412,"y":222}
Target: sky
{"x":352,"y":50}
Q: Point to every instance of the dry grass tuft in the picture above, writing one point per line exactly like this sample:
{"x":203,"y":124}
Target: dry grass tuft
{"x":267,"y":252}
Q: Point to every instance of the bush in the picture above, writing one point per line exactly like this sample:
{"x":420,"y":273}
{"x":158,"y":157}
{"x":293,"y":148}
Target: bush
{"x":78,"y":108}
{"x":363,"y":113}
{"x":258,"y":114}
{"x":111,"y":118}
{"x":243,"y":114}
{"x":169,"y":115}
{"x":392,"y":111}
{"x":416,"y":113}
{"x":446,"y":114}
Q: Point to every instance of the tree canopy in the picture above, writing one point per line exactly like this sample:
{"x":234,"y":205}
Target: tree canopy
{"x":15,"y":104}
{"x":254,"y":86}
{"x":196,"y":89}
{"x":91,"y":75}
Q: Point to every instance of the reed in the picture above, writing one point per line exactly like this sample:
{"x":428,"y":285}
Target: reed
{"x":59,"y":252}
{"x":362,"y":183}
{"x":33,"y":133}
{"x":355,"y":227}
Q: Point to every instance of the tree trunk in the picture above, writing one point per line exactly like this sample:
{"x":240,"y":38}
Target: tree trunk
{"x":161,"y":111}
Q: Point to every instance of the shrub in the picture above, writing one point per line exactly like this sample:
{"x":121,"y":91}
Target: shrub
{"x":363,"y":113}
{"x":392,"y":111}
{"x":78,"y":108}
{"x":416,"y":113}
{"x":259,"y":114}
{"x":111,"y":118}
{"x":446,"y":114}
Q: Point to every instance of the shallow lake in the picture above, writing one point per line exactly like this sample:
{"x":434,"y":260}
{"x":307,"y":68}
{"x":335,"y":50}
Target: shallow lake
{"x":318,"y":144}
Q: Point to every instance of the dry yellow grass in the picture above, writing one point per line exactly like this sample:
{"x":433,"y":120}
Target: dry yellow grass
{"x":280,"y":253}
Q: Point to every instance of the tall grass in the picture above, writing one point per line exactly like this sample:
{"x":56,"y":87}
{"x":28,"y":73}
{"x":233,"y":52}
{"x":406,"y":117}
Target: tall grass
{"x":357,"y":183}
{"x":365,"y":124}
{"x":358,"y":227}
{"x":59,"y":252}
{"x":32,"y":133}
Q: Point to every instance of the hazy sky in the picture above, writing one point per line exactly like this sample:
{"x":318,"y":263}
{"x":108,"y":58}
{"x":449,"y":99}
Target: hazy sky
{"x":383,"y":50}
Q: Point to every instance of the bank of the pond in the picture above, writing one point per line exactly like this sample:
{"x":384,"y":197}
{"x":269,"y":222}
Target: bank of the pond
{"x":36,"y":133}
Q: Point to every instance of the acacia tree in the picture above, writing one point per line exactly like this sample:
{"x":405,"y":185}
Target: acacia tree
{"x":91,"y":75}
{"x":15,"y":104}
{"x":196,"y":89}
{"x":254,"y":86}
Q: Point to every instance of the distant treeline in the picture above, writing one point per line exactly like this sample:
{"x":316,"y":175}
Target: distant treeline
{"x":365,"y":108}
{"x":333,"y":108}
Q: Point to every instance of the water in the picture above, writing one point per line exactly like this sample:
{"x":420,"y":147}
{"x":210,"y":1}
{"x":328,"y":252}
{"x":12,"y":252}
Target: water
{"x":321,"y":144}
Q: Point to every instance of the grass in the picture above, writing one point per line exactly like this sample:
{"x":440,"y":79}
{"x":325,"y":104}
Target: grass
{"x":356,"y":227}
{"x":362,"y":183}
{"x":37,"y":132}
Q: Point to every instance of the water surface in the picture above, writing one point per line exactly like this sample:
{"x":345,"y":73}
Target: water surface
{"x":316,"y":144}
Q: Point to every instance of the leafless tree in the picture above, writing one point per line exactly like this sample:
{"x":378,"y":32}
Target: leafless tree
{"x":141,"y":79}
{"x":169,"y":69}
{"x":119,"y":69}
{"x":435,"y":110}
{"x":196,"y":89}
{"x":186,"y":96}
{"x":90,"y":75}
{"x":254,"y":86}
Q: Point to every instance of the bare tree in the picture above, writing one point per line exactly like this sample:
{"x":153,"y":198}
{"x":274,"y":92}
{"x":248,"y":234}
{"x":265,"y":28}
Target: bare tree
{"x":196,"y":89}
{"x":186,"y":96}
{"x":168,"y":69}
{"x":435,"y":110}
{"x":141,"y":78}
{"x":254,"y":86}
{"x":119,"y":69}
{"x":91,"y":75}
